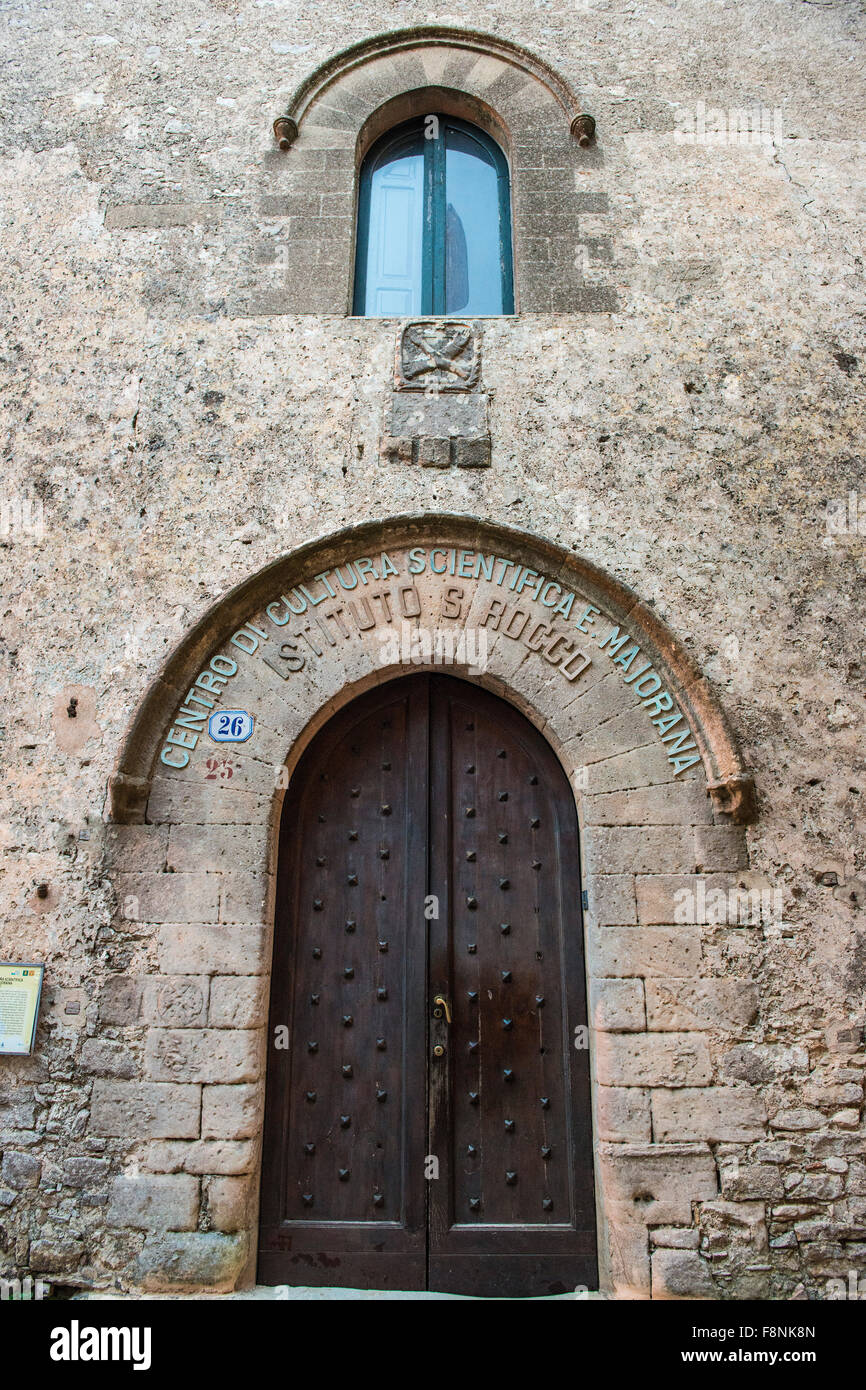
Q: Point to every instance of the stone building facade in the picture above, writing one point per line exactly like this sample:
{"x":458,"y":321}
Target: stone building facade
{"x":643,"y":503}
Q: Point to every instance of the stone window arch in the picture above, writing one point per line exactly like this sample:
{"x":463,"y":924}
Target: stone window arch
{"x":521,"y":103}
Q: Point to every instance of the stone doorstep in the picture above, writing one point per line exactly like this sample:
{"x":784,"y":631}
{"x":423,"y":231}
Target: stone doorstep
{"x":265,"y":1293}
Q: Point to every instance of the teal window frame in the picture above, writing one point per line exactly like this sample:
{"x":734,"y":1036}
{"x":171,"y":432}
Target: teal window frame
{"x":433,"y":251}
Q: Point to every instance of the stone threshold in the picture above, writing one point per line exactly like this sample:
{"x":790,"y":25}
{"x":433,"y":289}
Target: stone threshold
{"x":264,"y":1293}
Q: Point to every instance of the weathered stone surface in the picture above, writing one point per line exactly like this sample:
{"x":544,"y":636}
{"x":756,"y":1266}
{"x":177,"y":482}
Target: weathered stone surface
{"x":713,"y":1112}
{"x":19,"y":1170}
{"x":751,"y":1181}
{"x":228,"y":1203}
{"x":106,"y":1058}
{"x":230,"y":1112}
{"x":656,"y":1184}
{"x":617,"y":1005}
{"x":169,"y":897}
{"x":758,"y":1063}
{"x":55,"y":1256}
{"x":797,"y":1117}
{"x":176,"y":1001}
{"x":623,"y":1114}
{"x":154,"y":1203}
{"x":202,"y":1054}
{"x":652,"y":1059}
{"x":85,"y":1171}
{"x":121,"y":996}
{"x":731,"y":1005}
{"x":649,"y":951}
{"x":237,"y":1001}
{"x":145,"y":1109}
{"x":223,"y":1156}
{"x":199,"y":1259}
{"x":675,"y":1237}
{"x":681,"y":1274}
{"x":204,"y":950}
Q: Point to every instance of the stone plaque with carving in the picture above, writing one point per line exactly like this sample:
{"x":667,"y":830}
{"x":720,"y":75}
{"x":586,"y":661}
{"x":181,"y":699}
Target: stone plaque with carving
{"x":444,"y":355}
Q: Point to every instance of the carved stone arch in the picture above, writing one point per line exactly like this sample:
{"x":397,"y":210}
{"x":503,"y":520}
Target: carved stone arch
{"x":193,"y":840}
{"x":728,"y":780}
{"x":420,"y":57}
{"x":529,"y":108}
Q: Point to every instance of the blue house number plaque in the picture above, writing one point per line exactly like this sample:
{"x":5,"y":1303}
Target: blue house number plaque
{"x":230,"y":726}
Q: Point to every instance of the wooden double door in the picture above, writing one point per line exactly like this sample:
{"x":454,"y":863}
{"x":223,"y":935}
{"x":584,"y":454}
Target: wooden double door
{"x":428,"y":1095}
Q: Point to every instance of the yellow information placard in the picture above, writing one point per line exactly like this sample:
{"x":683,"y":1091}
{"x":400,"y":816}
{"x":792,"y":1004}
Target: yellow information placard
{"x":20,"y":990}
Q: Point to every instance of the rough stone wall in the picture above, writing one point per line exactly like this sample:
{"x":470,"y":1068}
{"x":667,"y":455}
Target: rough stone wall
{"x":689,"y":443}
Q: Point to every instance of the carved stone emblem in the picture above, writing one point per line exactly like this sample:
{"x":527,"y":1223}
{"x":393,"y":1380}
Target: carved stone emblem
{"x":444,"y":356}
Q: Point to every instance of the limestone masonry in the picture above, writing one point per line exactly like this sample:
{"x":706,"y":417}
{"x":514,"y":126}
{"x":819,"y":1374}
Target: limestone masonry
{"x":635,"y":509}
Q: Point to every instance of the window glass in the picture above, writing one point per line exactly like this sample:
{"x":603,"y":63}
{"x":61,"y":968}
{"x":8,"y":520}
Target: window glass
{"x":473,"y":236}
{"x":434,"y":232}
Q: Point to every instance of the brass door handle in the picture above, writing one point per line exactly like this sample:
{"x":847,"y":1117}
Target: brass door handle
{"x":440,"y":1007}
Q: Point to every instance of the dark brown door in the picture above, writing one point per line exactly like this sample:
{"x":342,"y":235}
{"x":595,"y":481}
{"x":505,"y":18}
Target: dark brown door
{"x":428,"y":850}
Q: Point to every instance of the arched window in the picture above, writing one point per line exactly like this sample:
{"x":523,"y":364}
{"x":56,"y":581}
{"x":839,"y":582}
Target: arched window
{"x":434,"y":223}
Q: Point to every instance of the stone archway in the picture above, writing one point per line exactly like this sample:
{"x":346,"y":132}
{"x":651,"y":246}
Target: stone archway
{"x":661,"y":794}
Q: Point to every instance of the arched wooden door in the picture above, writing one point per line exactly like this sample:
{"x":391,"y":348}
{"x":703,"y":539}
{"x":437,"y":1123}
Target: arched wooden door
{"x":428,"y":849}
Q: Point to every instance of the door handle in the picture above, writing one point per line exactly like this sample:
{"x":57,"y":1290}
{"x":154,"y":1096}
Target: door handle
{"x":440,"y":1007}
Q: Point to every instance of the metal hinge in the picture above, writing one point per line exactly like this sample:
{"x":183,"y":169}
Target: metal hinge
{"x":584,"y":898}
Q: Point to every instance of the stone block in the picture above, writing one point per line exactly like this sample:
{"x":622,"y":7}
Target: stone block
{"x":645,"y":951}
{"x":623,"y":1114}
{"x":652,"y":1059}
{"x":636,"y":849}
{"x":20,"y":1171}
{"x":675,"y":1237}
{"x":846,"y":1093}
{"x":230,"y":1112}
{"x":245,"y":897}
{"x":617,"y":1005}
{"x":472,"y":453}
{"x":106,"y":1058}
{"x":669,"y":804}
{"x":629,"y":1257}
{"x":714,"y":1113}
{"x":176,"y":1001}
{"x":169,"y":897}
{"x":656,"y":1184}
{"x":221,"y":1156}
{"x":763,"y":1062}
{"x":727,"y":1004}
{"x":120,"y":998}
{"x":145,"y":1110}
{"x":202,"y":1054}
{"x":237,"y":1001}
{"x":751,"y":1181}
{"x":681,"y":1274}
{"x":610,"y":899}
{"x":85,"y":1171}
{"x":797,"y":1118}
{"x":720,"y":848}
{"x":215,"y":849}
{"x":55,"y":1256}
{"x":189,"y":1260}
{"x":149,"y":1203}
{"x":228,"y":1203}
{"x":206,"y":950}
{"x":142,"y":847}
